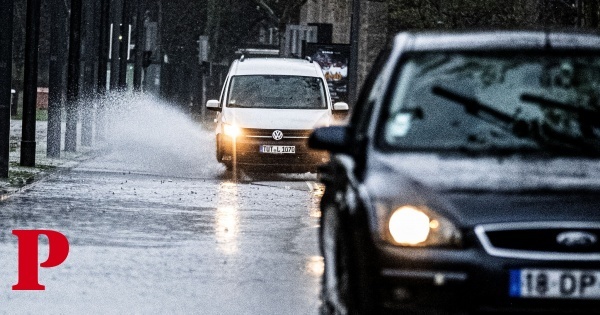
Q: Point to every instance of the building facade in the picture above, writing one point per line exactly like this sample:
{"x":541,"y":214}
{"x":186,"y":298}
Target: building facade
{"x":338,"y":13}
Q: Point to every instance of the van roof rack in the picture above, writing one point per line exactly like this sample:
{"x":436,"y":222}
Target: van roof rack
{"x":257,"y":52}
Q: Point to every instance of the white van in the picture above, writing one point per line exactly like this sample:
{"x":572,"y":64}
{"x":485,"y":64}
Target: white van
{"x":267,"y":109}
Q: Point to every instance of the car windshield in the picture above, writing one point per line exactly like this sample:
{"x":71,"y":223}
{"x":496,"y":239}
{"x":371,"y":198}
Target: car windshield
{"x":277,"y":91}
{"x":508,"y":102}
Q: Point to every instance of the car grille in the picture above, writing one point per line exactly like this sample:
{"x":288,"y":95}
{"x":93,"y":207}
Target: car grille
{"x":542,"y":240}
{"x":268,"y":133}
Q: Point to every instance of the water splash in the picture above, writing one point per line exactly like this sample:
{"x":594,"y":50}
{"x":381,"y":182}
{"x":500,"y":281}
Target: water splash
{"x":157,"y":137}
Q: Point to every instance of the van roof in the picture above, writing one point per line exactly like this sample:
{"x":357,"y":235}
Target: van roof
{"x":276,"y":66}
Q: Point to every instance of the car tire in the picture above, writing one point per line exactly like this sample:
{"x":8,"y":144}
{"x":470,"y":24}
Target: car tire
{"x":347,"y":283}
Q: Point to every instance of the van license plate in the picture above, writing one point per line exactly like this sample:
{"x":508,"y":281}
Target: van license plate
{"x":277,"y":149}
{"x":555,"y":284}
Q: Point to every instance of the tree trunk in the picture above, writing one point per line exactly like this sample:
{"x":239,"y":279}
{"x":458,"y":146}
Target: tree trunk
{"x":592,"y":13}
{"x":281,"y":27}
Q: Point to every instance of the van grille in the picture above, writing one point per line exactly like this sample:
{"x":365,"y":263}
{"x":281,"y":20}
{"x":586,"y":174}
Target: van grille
{"x":268,"y":133}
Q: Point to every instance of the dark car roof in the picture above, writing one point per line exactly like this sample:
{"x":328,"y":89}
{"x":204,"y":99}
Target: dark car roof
{"x":497,"y":40}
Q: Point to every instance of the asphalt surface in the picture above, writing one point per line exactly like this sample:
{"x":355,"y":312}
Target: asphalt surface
{"x":157,"y":226}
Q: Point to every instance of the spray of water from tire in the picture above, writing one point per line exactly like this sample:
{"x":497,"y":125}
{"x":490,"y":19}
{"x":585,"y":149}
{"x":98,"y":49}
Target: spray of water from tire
{"x":158,"y":136}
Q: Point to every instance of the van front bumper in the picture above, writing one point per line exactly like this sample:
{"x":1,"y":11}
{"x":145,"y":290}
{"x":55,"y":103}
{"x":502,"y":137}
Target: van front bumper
{"x":248,"y":153}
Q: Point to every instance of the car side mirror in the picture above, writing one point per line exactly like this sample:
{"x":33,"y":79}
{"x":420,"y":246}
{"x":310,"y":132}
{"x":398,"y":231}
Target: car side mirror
{"x":213,"y":105}
{"x":333,"y":139}
{"x":340,"y":106}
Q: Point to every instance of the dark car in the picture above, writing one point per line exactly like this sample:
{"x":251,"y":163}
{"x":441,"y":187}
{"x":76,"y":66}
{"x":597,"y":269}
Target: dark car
{"x":467,"y":179}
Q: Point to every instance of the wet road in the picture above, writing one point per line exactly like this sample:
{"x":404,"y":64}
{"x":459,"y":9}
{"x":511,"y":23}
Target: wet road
{"x":161,"y":228}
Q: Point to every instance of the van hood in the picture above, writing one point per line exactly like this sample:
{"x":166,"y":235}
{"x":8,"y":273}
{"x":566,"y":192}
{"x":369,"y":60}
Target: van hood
{"x":267,"y":118}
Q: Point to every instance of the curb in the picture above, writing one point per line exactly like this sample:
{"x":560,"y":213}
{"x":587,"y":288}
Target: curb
{"x":41,"y":176}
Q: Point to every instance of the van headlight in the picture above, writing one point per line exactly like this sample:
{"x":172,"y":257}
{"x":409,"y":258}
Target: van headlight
{"x":414,"y":226}
{"x":231,"y":130}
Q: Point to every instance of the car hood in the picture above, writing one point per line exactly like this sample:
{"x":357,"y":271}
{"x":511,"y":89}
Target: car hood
{"x":489,"y":190}
{"x":277,"y":118}
{"x":496,"y":174}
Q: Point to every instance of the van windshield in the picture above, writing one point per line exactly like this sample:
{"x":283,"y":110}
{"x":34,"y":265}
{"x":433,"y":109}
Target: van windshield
{"x":277,"y":91}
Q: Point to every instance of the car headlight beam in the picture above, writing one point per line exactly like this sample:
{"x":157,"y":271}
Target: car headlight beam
{"x":231,"y":130}
{"x":409,"y":226}
{"x":412,"y":226}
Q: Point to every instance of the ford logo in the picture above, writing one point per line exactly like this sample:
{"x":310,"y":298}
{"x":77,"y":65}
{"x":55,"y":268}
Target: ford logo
{"x":277,"y":135}
{"x":576,"y":238}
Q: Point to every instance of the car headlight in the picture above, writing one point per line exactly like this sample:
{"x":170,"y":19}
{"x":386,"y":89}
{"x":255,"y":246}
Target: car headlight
{"x":413,"y":226}
{"x":231,"y":130}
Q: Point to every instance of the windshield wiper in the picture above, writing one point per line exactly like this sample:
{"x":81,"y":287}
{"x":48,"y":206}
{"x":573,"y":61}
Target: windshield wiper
{"x":590,"y":116}
{"x":472,"y":106}
{"x":540,"y":132}
{"x":517,"y":127}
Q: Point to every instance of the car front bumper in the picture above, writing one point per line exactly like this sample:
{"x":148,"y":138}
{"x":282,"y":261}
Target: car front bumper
{"x":465,"y":280}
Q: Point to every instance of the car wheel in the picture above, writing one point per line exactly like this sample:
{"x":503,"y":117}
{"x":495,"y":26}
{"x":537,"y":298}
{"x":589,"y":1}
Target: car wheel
{"x":346,"y":286}
{"x":334,"y":281}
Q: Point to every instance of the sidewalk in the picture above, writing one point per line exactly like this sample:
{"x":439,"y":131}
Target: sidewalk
{"x":20,"y":177}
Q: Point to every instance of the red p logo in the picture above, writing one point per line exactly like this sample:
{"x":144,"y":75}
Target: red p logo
{"x":58,"y":250}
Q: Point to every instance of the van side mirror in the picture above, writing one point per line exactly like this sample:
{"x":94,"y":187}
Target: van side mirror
{"x":340,"y":106}
{"x":333,"y":139}
{"x":213,"y":105}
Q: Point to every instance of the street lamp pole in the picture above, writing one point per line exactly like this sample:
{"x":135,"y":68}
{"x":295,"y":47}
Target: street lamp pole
{"x":32,"y":31}
{"x":103,"y":45}
{"x":56,"y":78}
{"x":101,"y":85}
{"x":124,"y":46}
{"x":6,"y":25}
{"x":73,"y":76}
{"x":89,"y":56}
{"x":116,"y":7}
{"x":139,"y":42}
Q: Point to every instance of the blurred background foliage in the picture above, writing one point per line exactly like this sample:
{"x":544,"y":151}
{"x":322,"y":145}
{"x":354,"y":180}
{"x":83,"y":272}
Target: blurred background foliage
{"x":233,"y":24}
{"x":506,"y":14}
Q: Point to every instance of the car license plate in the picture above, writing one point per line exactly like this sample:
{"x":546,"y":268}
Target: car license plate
{"x":277,"y":149}
{"x":554,"y":284}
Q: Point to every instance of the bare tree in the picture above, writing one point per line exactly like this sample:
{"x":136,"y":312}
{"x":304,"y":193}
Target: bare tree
{"x":509,"y":14}
{"x":280,"y":13}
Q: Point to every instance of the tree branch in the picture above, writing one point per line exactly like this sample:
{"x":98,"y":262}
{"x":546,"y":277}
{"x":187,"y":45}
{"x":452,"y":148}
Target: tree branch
{"x":270,"y":13}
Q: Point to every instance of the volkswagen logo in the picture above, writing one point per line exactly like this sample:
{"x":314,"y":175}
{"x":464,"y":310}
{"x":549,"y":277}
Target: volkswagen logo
{"x":277,"y":135}
{"x":576,"y":238}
